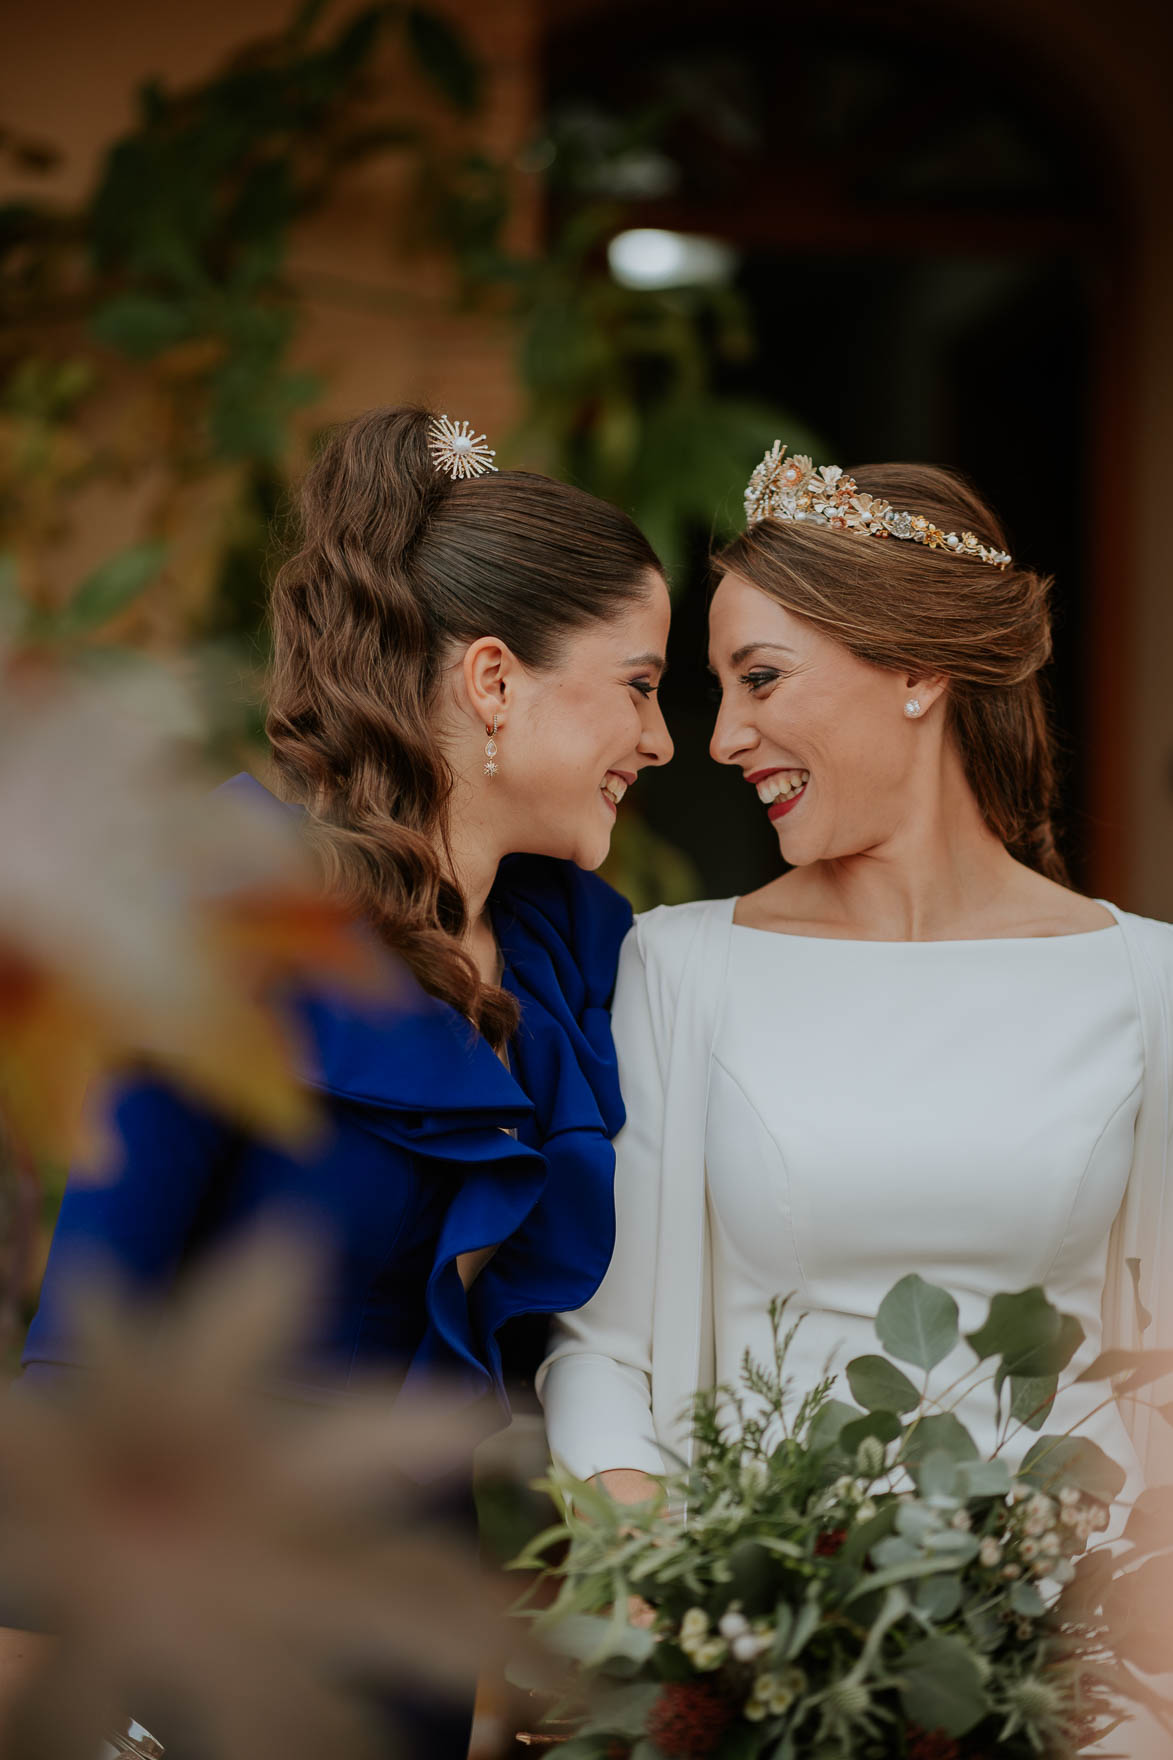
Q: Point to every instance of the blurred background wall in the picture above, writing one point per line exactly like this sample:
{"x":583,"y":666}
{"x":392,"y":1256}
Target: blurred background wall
{"x":883,"y":230}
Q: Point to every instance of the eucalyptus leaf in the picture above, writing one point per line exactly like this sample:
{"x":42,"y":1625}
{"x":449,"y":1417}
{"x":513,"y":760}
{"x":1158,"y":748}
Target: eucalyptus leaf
{"x":884,"y":1426}
{"x":902,"y":1548}
{"x":918,"y":1566}
{"x":879,"y":1385}
{"x":917,"y":1322}
{"x":914,"y":1521}
{"x":1025,"y":1600}
{"x":621,"y":1711}
{"x":1028,"y":1333}
{"x":941,"y":1685}
{"x":1032,"y":1398}
{"x":1077,"y":1460}
{"x":590,"y":1639}
{"x":1150,"y":1520}
{"x":1129,"y":1370}
{"x":983,"y":1478}
{"x":828,"y":1423}
{"x":939,"y":1597}
{"x":940,"y":1432}
{"x":936,"y":1476}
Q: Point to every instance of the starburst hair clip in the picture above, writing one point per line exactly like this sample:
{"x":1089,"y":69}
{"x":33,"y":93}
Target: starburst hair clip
{"x":792,"y":489}
{"x":457,"y":451}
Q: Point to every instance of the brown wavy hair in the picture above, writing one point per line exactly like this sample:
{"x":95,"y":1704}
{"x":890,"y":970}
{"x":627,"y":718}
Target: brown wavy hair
{"x":398,"y":568}
{"x":899,"y":605}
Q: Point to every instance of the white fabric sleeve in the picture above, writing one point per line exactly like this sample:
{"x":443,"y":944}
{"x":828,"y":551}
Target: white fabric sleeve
{"x":595,"y":1384}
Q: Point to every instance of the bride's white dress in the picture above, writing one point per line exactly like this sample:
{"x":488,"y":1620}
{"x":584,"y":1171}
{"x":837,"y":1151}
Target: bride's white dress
{"x":962,"y":1109}
{"x":822,"y":1117}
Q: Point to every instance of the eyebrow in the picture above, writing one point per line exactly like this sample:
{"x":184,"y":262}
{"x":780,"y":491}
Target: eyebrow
{"x":754,"y":648}
{"x":656,"y":660}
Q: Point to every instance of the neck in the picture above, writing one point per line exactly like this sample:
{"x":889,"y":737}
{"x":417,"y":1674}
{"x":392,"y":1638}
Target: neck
{"x":942,"y":872}
{"x":475,"y":851}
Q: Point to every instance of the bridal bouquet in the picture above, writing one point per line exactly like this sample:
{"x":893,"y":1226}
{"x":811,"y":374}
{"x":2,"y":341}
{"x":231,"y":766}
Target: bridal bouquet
{"x":854,"y":1579}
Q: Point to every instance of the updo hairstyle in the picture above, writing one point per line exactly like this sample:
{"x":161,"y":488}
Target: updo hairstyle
{"x":399,"y":568}
{"x":902,"y":606}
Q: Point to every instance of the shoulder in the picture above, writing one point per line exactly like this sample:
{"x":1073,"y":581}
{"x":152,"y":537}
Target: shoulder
{"x":1150,"y":938}
{"x":668,"y":933}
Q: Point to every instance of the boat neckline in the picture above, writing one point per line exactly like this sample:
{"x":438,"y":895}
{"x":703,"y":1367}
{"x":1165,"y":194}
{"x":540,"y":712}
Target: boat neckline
{"x":963,"y":941}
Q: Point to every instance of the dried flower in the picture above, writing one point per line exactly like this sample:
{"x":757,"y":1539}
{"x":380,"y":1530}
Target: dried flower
{"x":142,"y":917}
{"x":220,"y":1554}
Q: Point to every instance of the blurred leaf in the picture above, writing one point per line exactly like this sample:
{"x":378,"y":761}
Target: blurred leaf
{"x":940,"y":1430}
{"x":142,"y":325}
{"x":1031,"y":1399}
{"x":1140,"y":1368}
{"x":445,"y":57}
{"x":829,"y":1422}
{"x":877,"y":1383}
{"x":112,"y":587}
{"x":917,"y":1322}
{"x":939,"y":1597}
{"x":1076,"y":1460}
{"x":884,"y":1426}
{"x":941,"y":1686}
{"x":1029,"y":1334}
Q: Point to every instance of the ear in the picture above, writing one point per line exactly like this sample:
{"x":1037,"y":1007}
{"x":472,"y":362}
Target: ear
{"x":926,"y":687}
{"x":489,"y":671}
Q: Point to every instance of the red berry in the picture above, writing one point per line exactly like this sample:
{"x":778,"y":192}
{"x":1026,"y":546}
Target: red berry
{"x":828,"y":1543}
{"x":688,"y":1719}
{"x":931,"y":1744}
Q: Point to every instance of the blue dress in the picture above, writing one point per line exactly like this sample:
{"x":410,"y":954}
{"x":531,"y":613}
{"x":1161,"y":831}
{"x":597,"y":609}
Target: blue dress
{"x":432,"y":1148}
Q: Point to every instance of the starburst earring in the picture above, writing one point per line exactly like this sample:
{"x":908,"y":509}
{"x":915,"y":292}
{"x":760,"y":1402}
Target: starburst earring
{"x":491,"y":747}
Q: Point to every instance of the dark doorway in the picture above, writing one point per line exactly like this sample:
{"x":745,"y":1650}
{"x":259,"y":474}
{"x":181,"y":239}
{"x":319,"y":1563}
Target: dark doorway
{"x":927,"y":245}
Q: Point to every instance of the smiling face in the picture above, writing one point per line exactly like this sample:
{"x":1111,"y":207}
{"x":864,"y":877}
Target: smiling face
{"x":820,"y":735}
{"x":576,"y":735}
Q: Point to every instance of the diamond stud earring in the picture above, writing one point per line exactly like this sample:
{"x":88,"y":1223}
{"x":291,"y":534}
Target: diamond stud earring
{"x":491,"y":748}
{"x":912,"y":708}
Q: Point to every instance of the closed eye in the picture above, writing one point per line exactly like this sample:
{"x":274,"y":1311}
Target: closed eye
{"x":754,"y":681}
{"x":644,"y":686}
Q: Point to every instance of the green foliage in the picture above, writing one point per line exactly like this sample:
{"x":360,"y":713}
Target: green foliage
{"x":838,"y":1579}
{"x":917,"y":1322}
{"x":172,"y":279}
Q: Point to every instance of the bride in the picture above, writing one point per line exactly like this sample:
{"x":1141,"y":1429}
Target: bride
{"x":918,"y":1049}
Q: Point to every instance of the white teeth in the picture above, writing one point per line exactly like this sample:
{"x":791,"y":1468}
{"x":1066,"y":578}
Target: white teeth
{"x":782,"y":785}
{"x":614,"y":789}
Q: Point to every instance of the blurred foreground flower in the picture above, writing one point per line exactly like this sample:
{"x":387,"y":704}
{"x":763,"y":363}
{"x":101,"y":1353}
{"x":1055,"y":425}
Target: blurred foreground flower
{"x":231,"y":1568}
{"x":143,"y":917}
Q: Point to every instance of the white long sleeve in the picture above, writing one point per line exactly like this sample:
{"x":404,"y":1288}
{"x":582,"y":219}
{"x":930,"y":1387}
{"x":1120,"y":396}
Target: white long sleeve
{"x":595,"y":1385}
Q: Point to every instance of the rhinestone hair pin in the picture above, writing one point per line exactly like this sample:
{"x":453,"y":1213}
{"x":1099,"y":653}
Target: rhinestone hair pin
{"x":457,"y":451}
{"x":792,"y":489}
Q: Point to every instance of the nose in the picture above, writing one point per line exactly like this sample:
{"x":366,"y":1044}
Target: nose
{"x":732,"y":737}
{"x":655,"y":743}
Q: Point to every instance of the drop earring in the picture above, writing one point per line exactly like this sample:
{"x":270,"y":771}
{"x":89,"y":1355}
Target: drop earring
{"x":912,"y":708}
{"x":491,"y":747}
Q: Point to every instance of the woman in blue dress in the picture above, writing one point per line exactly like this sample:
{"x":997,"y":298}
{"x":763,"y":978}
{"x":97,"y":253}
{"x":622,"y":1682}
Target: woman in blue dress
{"x":464,"y":678}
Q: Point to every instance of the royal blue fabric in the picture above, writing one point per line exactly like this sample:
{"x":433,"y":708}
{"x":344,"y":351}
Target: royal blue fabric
{"x":415,"y":1165}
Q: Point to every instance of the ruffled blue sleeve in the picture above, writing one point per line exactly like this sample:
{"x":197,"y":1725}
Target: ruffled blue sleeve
{"x":560,"y":931}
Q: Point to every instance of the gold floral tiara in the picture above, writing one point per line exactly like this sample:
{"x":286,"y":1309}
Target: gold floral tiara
{"x":792,"y":489}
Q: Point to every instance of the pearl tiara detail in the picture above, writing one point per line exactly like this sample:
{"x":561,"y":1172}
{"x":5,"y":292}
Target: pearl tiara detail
{"x":457,"y":451}
{"x":792,"y":489}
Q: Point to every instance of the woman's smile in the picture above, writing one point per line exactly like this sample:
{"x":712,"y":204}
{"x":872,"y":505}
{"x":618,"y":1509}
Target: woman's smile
{"x":779,"y":790}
